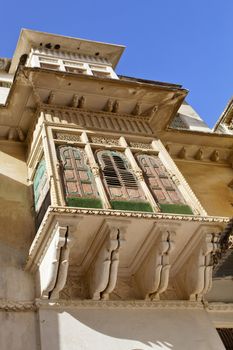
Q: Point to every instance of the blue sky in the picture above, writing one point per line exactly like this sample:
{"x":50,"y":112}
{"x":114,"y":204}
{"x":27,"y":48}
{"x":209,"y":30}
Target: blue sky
{"x":183,"y":41}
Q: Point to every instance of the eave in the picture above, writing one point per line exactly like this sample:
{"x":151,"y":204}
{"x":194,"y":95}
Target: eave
{"x":158,"y":103}
{"x":31,"y":38}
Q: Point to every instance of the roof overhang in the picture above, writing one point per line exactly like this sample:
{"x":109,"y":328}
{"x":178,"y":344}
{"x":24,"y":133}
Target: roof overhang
{"x":30,"y":38}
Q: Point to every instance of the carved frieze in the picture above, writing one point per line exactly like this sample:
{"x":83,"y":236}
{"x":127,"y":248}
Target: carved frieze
{"x":67,"y":137}
{"x":140,"y":145}
{"x":105,"y":141}
{"x":98,"y":120}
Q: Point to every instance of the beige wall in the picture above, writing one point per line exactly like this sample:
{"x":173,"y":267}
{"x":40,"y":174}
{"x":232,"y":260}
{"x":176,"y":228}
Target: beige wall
{"x":17,"y":331}
{"x":123,"y":329}
{"x":210,"y":184}
{"x":16,"y":224}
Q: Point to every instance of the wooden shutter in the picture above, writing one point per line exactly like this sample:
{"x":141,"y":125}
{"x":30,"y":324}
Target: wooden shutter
{"x":119,"y":180}
{"x":40,"y":185}
{"x":77,"y":177}
{"x":159,"y":181}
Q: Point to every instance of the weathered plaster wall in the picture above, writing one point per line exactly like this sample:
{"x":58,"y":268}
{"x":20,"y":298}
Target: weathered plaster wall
{"x":16,"y":224}
{"x":124,"y":329}
{"x":17,"y":331}
{"x":222,"y":290}
{"x":210,"y":184}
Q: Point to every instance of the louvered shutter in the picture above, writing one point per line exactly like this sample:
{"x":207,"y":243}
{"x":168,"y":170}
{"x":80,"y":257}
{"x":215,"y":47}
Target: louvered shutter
{"x":159,"y":181}
{"x":77,"y":176}
{"x":119,"y":180}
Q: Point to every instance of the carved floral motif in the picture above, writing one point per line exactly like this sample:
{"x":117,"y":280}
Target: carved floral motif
{"x":105,"y":140}
{"x":68,"y":137}
{"x":140,"y":145}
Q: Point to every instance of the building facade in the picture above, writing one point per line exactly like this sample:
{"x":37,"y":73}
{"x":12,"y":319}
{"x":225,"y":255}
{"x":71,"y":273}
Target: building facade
{"x":116,"y":206}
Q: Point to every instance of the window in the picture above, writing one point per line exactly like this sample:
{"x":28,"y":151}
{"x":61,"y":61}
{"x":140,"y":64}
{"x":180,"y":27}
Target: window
{"x":49,"y":63}
{"x":49,"y":60}
{"x":41,"y":191}
{"x":121,"y":184}
{"x":74,"y":67}
{"x":79,"y":186}
{"x":100,"y":71}
{"x":163,"y":188}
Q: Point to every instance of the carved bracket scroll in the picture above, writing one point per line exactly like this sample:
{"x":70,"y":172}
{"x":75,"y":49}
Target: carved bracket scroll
{"x":104,"y":267}
{"x":197,"y":275}
{"x":153,"y":274}
{"x":54,"y":266}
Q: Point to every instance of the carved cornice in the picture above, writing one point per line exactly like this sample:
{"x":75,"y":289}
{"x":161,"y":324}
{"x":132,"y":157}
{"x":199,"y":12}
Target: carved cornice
{"x":11,"y":305}
{"x":129,"y":214}
{"x":24,"y":306}
{"x":97,"y":120}
{"x":219,"y":307}
{"x":46,"y":107}
{"x":110,"y":304}
{"x":201,"y":154}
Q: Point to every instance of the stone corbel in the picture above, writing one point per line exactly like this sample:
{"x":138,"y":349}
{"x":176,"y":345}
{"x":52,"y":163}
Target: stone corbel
{"x":54,"y":266}
{"x":153,"y":274}
{"x":197,"y":275}
{"x":104,"y":267}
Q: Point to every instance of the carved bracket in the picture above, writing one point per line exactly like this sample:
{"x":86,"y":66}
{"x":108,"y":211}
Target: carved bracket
{"x":153,"y":274}
{"x":54,"y":266}
{"x":198,"y":270}
{"x":104,"y":267}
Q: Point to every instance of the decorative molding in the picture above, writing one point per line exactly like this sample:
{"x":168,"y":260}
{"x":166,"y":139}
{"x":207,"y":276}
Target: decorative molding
{"x":110,"y":304}
{"x":219,"y":307}
{"x":202,"y":155}
{"x":67,"y":137}
{"x":67,"y":55}
{"x":158,"y":216}
{"x":140,"y":145}
{"x":24,"y":306}
{"x":105,"y":141}
{"x":12,"y":305}
{"x":98,"y":120}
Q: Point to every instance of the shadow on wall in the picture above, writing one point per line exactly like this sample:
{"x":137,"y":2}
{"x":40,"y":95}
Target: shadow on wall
{"x":16,"y":220}
{"x":126,"y":329}
{"x":16,"y":234}
{"x":98,"y":329}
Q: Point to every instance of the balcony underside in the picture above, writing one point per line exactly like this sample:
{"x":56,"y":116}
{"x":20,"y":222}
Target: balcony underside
{"x":133,"y":244}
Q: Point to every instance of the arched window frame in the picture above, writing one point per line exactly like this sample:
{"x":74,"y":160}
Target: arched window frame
{"x":163,"y":188}
{"x":120,"y":182}
{"x":77,"y":178}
